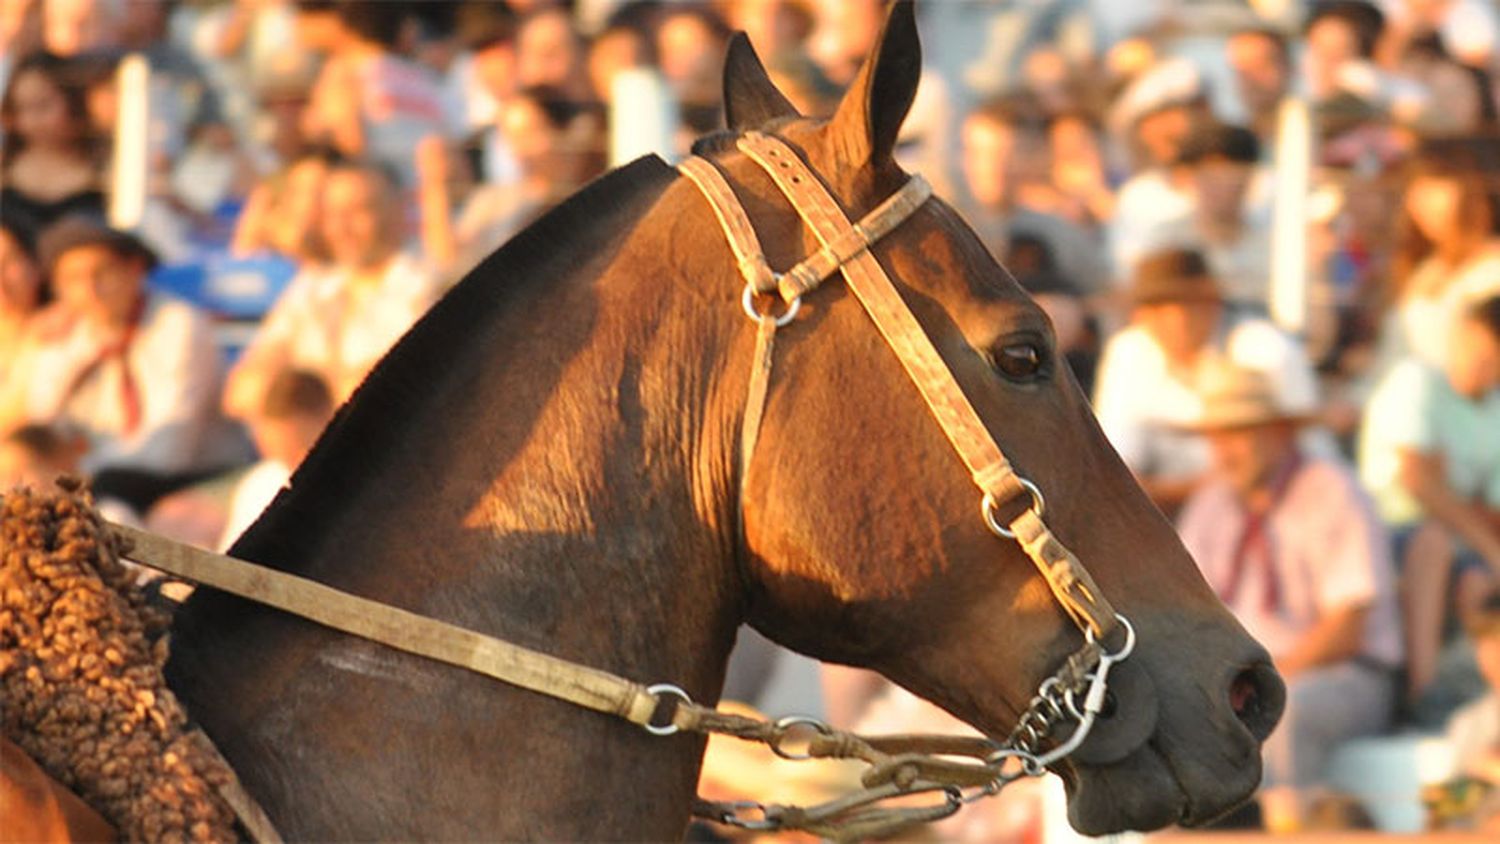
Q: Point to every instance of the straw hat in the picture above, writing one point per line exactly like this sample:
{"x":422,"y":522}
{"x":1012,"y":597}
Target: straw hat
{"x":1238,"y":397}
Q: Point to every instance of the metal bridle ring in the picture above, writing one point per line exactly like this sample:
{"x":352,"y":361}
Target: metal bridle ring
{"x":988,"y":504}
{"x":747,"y":300}
{"x":784,"y":724}
{"x":1125,"y":649}
{"x":665,"y":689}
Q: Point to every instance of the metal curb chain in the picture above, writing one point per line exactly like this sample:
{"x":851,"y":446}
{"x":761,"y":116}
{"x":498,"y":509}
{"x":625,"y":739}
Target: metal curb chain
{"x":1068,"y":697}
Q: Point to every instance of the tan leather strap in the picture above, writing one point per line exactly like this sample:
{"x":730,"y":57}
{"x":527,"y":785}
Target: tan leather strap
{"x":1067,"y":577}
{"x":870,"y":284}
{"x":755,"y":400}
{"x":394,"y":627}
{"x":748,"y":254}
{"x":845,"y":247}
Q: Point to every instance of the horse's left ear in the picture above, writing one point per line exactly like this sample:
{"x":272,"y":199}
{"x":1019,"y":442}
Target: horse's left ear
{"x":871,"y":113}
{"x":751,"y":99}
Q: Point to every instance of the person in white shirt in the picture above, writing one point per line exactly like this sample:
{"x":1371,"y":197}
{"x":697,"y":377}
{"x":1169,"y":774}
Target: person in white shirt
{"x":1144,"y":390}
{"x":1219,"y":164}
{"x":296,"y":408}
{"x":135,"y":371}
{"x":1156,"y":113}
{"x":339,"y":319}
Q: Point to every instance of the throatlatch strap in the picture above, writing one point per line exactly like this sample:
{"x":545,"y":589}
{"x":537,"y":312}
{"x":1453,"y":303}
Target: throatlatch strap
{"x":397,"y":628}
{"x":1070,"y":583}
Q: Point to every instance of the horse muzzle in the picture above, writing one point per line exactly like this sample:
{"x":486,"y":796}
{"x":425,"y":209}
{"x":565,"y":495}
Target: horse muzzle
{"x":1174,"y":751}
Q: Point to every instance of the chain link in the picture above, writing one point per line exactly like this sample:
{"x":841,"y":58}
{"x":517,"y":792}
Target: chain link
{"x":1020,"y":756}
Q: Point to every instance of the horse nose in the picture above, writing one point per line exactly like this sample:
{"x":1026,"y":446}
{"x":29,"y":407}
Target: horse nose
{"x":1257,"y":695}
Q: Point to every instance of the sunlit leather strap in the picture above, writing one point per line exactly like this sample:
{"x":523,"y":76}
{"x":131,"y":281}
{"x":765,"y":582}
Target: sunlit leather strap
{"x":845,"y":247}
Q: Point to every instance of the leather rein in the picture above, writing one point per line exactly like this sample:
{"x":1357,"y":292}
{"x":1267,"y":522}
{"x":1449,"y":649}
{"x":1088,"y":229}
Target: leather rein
{"x":957,"y":769}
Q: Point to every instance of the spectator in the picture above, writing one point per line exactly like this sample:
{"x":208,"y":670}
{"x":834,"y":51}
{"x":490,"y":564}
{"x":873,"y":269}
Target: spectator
{"x":75,"y":27}
{"x":135,"y":371}
{"x":20,"y":33}
{"x":1290,"y":542}
{"x":690,"y":45}
{"x":296,"y":409}
{"x":283,"y":94}
{"x":1218,"y":166}
{"x":550,"y":54}
{"x":1263,"y":75}
{"x":1470,"y":28}
{"x":1079,"y":174}
{"x":1005,"y":167}
{"x":35,"y":456}
{"x":1430,"y":455}
{"x":540,"y":126}
{"x":776,"y":27}
{"x":283,"y":213}
{"x":22,"y":295}
{"x":1461,"y":97}
{"x":51,"y":164}
{"x":339,"y":320}
{"x":368,"y":101}
{"x":1342,"y":36}
{"x":1145,"y":391}
{"x":1155,"y":115}
{"x":1473,"y":733}
{"x":480,"y":83}
{"x":1447,"y":248}
{"x":616,"y":49}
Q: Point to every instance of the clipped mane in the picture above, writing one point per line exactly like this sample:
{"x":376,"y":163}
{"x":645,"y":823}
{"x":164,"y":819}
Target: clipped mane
{"x":374,"y":424}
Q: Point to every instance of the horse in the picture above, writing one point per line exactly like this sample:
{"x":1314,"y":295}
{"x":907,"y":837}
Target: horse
{"x":551,"y":457}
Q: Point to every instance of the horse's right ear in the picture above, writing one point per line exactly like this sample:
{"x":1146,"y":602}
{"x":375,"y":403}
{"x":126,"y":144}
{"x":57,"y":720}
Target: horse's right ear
{"x":750,"y":97}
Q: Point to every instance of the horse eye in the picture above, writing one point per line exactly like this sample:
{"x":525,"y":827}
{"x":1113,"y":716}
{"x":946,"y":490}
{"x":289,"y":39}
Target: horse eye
{"x":1020,"y":361}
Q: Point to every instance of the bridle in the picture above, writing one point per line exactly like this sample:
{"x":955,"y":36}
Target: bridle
{"x":845,"y":248}
{"x":960,"y":768}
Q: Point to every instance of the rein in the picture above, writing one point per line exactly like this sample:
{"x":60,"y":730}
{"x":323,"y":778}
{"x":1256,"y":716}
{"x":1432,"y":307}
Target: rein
{"x":959,"y":769}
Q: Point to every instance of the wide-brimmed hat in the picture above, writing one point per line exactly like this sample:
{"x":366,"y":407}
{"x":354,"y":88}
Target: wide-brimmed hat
{"x":1173,"y":275}
{"x":1169,"y":83}
{"x":80,"y":230}
{"x":1239,"y":397}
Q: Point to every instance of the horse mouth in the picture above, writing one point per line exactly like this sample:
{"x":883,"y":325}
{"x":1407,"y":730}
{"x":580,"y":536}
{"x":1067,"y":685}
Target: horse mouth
{"x":1146,"y":792}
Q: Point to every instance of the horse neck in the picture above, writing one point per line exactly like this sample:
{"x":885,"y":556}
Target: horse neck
{"x":564,"y":483}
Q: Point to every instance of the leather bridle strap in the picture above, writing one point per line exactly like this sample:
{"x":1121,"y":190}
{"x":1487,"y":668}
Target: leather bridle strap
{"x":395,"y":627}
{"x":845,"y":247}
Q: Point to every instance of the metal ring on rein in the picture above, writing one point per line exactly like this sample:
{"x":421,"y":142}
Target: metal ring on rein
{"x":747,"y":299}
{"x":783,"y":725}
{"x":665,"y":689}
{"x":988,"y":504}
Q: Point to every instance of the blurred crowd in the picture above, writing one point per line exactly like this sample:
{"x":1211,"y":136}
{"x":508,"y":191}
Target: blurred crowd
{"x":1267,"y":233}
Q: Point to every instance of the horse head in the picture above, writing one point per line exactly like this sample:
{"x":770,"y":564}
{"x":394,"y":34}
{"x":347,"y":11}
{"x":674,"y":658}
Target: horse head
{"x":861,"y":532}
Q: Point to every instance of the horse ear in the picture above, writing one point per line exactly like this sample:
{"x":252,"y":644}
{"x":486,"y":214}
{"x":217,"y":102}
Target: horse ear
{"x":872,"y":111}
{"x":750,"y":97}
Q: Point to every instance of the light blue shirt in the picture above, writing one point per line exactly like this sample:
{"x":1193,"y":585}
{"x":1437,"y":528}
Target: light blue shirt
{"x":1415,"y":409}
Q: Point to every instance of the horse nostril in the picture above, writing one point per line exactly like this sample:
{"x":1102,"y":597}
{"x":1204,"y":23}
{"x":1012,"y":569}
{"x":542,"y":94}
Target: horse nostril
{"x":1257,"y":696}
